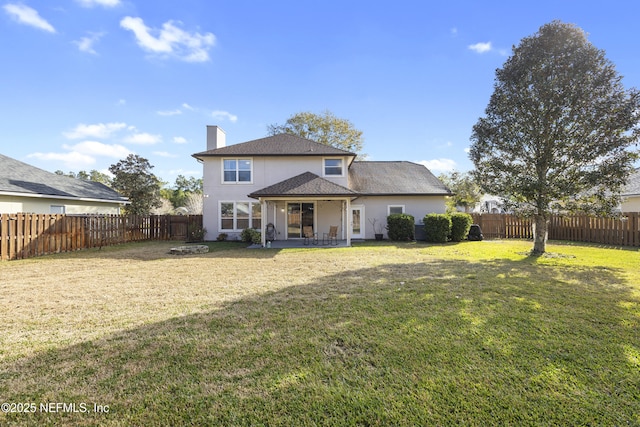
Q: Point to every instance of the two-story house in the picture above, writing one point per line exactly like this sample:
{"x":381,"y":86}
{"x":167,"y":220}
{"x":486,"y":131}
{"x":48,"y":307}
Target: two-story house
{"x":291,"y":182}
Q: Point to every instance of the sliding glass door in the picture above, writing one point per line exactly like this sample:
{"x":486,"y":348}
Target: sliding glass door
{"x":298,"y":215}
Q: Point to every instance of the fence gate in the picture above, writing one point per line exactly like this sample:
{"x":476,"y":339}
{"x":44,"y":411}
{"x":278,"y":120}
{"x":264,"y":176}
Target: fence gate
{"x":179,"y":226}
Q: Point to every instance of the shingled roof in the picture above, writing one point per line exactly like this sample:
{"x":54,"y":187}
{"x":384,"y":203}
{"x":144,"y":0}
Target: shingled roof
{"x":633,"y":185}
{"x":279,"y":145}
{"x":17,"y":177}
{"x":304,"y":185}
{"x":394,"y":178}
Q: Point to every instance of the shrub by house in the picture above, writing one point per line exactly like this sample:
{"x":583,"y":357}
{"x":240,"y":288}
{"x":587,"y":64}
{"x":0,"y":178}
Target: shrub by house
{"x":460,"y":225}
{"x":400,"y":226}
{"x":437,"y":227}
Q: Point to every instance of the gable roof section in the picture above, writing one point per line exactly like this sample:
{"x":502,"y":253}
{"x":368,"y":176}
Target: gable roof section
{"x":19,"y":178}
{"x":395,"y":178}
{"x":279,"y":145}
{"x":304,"y":185}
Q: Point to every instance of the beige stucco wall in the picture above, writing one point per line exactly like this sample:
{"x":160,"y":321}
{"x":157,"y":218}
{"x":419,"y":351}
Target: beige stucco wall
{"x":631,"y":204}
{"x":378,"y":207}
{"x":16,"y":204}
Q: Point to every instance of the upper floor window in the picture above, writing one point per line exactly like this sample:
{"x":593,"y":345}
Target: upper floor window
{"x":333,"y":167}
{"x":237,"y":170}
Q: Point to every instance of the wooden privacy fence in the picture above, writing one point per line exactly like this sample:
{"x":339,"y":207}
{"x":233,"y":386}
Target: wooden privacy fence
{"x":29,"y":235}
{"x":500,"y":226}
{"x":622,"y":230}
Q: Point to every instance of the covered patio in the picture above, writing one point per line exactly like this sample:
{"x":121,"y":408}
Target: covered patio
{"x":307,"y":201}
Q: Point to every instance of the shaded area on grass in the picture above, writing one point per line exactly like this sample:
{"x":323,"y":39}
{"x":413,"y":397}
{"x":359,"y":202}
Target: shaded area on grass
{"x":429,"y":343}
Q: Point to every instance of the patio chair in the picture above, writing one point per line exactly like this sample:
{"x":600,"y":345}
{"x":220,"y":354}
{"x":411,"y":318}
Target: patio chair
{"x":270,"y":233}
{"x":309,"y":235}
{"x":331,"y":237}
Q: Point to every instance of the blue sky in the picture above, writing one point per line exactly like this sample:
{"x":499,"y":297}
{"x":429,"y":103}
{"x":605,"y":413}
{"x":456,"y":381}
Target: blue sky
{"x":83,"y":83}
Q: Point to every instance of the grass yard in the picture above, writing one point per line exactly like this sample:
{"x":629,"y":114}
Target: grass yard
{"x":476,"y":333}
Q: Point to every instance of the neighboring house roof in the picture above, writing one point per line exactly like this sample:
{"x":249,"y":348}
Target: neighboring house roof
{"x":306,"y":184}
{"x":633,"y":185}
{"x":21,"y":179}
{"x":394,"y":178}
{"x":279,"y":145}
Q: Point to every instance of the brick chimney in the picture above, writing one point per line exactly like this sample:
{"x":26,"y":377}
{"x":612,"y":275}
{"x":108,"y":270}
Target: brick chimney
{"x":216,"y":138}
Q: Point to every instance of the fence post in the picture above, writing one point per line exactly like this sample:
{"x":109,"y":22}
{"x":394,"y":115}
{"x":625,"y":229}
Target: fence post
{"x":4,"y":236}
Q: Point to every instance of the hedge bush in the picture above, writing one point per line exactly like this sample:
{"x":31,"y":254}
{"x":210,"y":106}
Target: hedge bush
{"x":249,"y":235}
{"x":400,"y":226}
{"x":437,"y":227}
{"x":460,"y":225}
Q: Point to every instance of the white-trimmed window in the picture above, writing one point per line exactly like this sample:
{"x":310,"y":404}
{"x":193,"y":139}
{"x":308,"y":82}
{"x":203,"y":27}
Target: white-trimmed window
{"x":333,"y":166}
{"x":395,"y":209}
{"x":237,"y":171}
{"x":236,"y":216}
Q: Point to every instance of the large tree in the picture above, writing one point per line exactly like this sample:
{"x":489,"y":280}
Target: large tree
{"x":132,"y":178}
{"x":324,"y":128}
{"x":559,"y":130}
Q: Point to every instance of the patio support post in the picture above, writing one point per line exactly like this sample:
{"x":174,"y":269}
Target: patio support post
{"x":263,"y":223}
{"x":348,"y":222}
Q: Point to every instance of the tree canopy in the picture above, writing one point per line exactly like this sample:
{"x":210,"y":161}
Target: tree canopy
{"x":324,"y":128}
{"x":559,"y":130}
{"x":93,"y":175}
{"x":183,"y":189}
{"x":466,"y":192}
{"x":133,"y":179}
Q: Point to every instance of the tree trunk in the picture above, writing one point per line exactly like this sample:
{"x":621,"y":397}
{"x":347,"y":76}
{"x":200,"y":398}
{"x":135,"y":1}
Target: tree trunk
{"x":540,"y":234}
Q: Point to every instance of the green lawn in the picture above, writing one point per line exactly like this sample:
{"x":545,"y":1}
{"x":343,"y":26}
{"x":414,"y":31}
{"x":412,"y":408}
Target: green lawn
{"x":475,"y":333}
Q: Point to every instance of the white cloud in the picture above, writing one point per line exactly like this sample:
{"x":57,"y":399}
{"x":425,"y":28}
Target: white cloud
{"x":439,"y":165}
{"x":454,"y":31}
{"x":85,"y":44}
{"x":72,"y":160}
{"x":143,"y":138}
{"x":179,"y":140}
{"x":481,"y":47}
{"x":28,"y":16}
{"x":94,"y":148}
{"x":170,"y":113}
{"x":170,"y":41}
{"x":223,"y":115}
{"x":99,"y":130}
{"x":104,"y":3}
{"x":188,"y":107}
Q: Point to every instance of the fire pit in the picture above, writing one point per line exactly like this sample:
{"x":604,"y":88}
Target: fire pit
{"x":191,"y":249}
